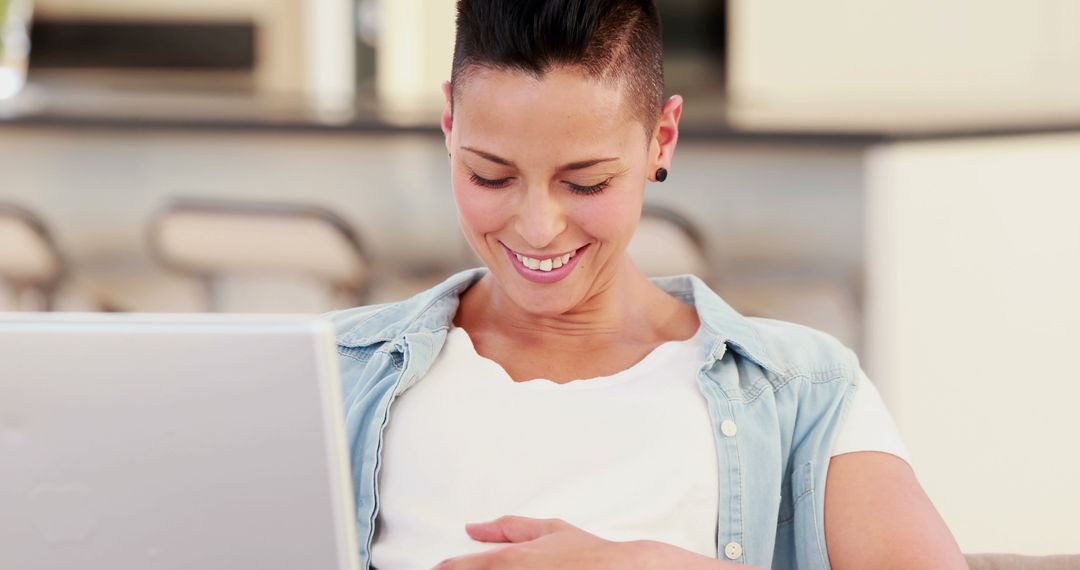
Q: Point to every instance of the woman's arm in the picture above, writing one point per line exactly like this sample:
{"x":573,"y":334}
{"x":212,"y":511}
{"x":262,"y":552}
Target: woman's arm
{"x":877,"y":516}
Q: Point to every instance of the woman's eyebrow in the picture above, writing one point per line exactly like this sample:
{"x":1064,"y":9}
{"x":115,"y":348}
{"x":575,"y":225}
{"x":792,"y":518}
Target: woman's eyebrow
{"x":489,"y":156}
{"x":571,"y":166}
{"x":584,"y":164}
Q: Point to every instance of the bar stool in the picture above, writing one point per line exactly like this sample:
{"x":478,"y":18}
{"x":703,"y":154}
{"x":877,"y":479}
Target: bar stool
{"x":263,"y":257}
{"x":667,"y":243}
{"x":30,"y":263}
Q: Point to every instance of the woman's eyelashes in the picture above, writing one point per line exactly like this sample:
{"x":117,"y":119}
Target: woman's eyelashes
{"x":504,"y":182}
{"x":500,"y":183}
{"x":586,"y":190}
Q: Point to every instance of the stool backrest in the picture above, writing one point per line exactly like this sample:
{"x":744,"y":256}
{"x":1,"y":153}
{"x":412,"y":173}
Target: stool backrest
{"x":220,"y":239}
{"x":28,"y":256}
{"x":31,"y":266}
{"x":667,"y":243}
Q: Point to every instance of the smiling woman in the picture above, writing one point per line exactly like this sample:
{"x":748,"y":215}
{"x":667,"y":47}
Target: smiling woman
{"x":566,"y":177}
{"x":558,"y":409}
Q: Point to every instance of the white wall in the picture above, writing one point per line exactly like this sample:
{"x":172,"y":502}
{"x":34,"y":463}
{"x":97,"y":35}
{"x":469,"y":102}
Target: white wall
{"x":97,"y":187}
{"x":973,"y":311}
{"x":783,"y":222}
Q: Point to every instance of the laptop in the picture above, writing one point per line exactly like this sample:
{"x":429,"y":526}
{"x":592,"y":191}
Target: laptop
{"x":172,"y":442}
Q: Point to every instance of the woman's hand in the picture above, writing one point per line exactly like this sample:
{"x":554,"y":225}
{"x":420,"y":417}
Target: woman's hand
{"x":553,"y":543}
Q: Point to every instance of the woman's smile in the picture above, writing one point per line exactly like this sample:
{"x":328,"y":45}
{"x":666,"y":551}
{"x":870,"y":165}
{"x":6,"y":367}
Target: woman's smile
{"x":544,"y":269}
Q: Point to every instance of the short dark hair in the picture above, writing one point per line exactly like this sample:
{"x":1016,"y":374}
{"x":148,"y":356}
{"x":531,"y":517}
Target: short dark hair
{"x":611,"y":40}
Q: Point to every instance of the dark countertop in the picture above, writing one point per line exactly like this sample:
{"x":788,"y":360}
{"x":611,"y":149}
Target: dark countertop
{"x":67,"y":106}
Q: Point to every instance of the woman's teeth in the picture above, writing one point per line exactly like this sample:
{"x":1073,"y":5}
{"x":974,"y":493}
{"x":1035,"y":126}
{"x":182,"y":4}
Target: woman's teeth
{"x":545,"y":264}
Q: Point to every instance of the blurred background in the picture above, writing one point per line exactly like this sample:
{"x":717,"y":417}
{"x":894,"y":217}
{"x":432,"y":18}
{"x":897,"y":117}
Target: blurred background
{"x":902,"y":175}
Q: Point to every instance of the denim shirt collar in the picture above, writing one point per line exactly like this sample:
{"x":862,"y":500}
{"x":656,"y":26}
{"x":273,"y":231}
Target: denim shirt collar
{"x":434,"y":310}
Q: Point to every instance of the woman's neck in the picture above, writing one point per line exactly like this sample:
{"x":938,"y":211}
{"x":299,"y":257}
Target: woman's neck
{"x":624,"y":307}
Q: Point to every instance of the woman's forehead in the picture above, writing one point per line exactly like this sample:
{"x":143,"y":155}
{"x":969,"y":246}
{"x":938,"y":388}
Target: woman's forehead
{"x":562,"y":108}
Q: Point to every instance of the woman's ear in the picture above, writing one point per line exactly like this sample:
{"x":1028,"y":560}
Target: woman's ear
{"x":665,"y":135}
{"x":447,"y":121}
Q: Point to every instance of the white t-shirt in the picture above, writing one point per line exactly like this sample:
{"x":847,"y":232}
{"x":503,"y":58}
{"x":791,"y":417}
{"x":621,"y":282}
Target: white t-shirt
{"x":628,"y":456}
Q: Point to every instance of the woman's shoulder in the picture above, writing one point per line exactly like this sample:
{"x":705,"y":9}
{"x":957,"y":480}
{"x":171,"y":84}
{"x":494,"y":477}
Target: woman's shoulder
{"x":783,"y":348}
{"x":811,"y":374}
{"x":802,"y":350}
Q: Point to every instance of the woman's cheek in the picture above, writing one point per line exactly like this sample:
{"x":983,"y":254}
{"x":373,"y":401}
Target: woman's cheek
{"x":611,"y":218}
{"x":479,"y":208}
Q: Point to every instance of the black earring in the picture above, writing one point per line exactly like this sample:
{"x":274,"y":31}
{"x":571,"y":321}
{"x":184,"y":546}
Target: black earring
{"x":661,"y":174}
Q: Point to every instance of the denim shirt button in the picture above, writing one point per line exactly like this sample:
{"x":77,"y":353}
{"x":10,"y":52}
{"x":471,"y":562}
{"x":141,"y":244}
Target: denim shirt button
{"x":733,"y":550}
{"x":728,"y":428}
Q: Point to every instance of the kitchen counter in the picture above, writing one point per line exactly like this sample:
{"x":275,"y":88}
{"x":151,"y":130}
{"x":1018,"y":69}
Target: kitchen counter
{"x":74,"y":104}
{"x":51,"y":104}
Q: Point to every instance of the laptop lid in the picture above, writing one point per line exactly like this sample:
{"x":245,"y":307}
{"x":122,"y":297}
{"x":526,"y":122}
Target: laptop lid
{"x":168,"y":442}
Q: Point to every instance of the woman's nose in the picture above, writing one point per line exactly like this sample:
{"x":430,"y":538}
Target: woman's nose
{"x":540,"y":218}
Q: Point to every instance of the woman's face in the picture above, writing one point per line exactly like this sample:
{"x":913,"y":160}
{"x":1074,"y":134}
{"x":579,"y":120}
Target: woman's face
{"x":549,"y":176}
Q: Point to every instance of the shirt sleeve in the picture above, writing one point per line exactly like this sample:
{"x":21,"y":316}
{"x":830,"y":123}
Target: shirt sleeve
{"x":868,"y":425}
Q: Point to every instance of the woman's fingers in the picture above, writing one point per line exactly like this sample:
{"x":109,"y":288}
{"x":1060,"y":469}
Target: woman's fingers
{"x":511,"y":528}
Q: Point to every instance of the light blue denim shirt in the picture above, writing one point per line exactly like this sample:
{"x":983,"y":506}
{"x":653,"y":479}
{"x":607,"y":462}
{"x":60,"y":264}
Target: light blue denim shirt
{"x":776,"y":393}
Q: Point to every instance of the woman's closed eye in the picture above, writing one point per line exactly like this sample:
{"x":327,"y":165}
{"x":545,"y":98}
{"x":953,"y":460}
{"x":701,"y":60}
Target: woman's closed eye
{"x":503,"y":182}
{"x":487,"y":183}
{"x":586,"y":190}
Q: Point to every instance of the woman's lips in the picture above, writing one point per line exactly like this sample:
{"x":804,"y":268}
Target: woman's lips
{"x":541,"y":276}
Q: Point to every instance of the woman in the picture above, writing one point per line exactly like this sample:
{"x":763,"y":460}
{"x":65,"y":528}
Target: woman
{"x":558,"y":409}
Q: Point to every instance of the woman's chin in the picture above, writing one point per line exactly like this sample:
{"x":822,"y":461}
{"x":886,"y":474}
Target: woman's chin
{"x":542,"y":300}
